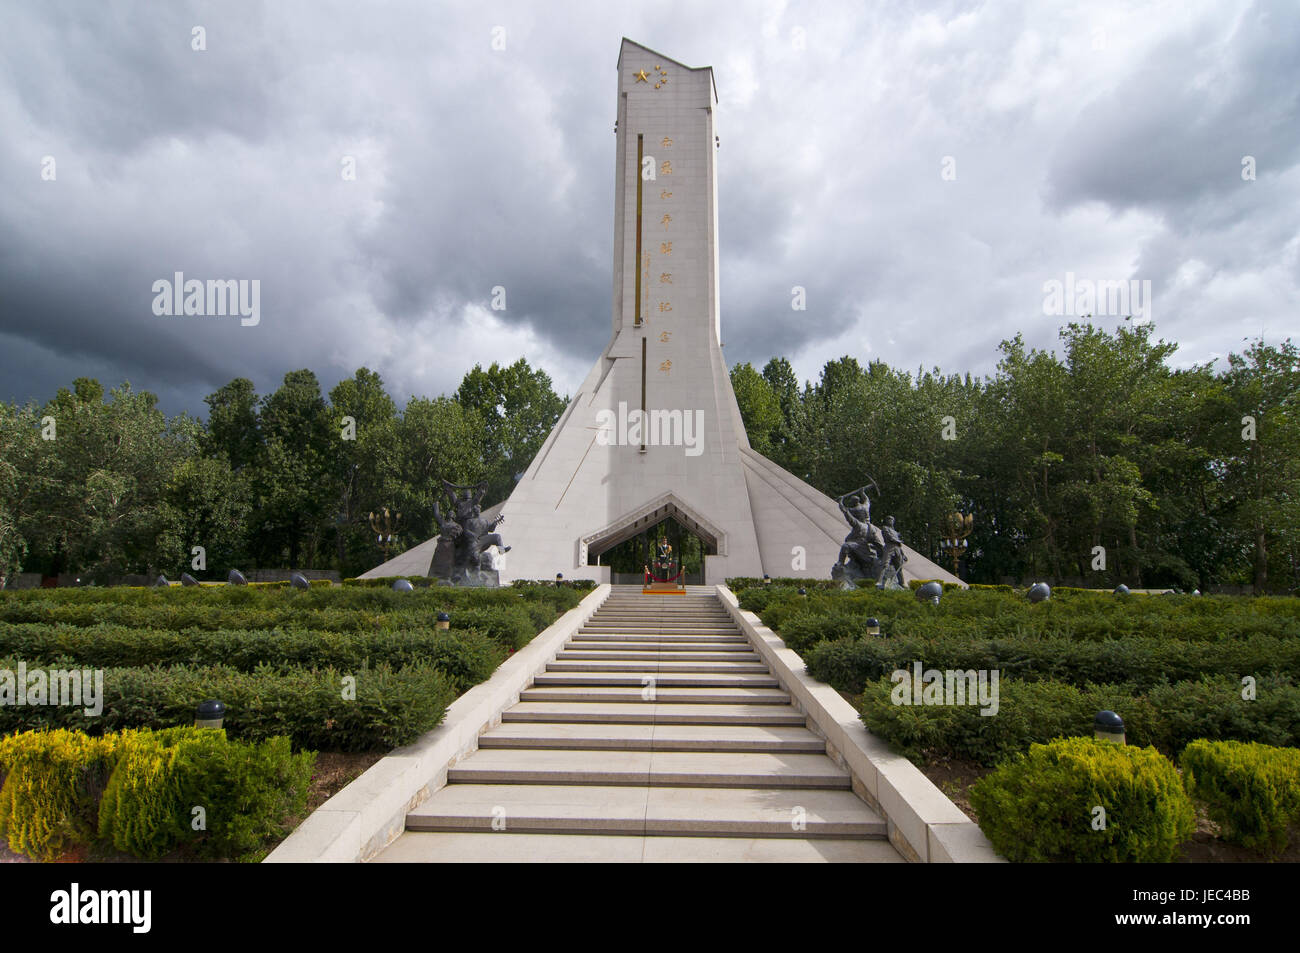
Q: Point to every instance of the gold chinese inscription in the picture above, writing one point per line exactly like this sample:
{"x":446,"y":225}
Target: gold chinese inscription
{"x":666,"y":168}
{"x":665,"y":306}
{"x":665,"y":195}
{"x":666,"y":278}
{"x":665,"y":220}
{"x":665,"y":248}
{"x":667,"y":142}
{"x":666,"y":366}
{"x":665,"y":336}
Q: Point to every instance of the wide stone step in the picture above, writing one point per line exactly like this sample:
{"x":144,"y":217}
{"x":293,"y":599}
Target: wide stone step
{"x":652,"y":713}
{"x":664,"y":695}
{"x":656,"y":768}
{"x":642,"y":665}
{"x":705,"y":639}
{"x":596,"y":654}
{"x":506,"y":847}
{"x":661,"y":679}
{"x":653,"y":737}
{"x":614,"y":810}
{"x":680,"y":648}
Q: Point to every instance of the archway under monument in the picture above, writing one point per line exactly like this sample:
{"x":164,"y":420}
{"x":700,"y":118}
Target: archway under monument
{"x":628,"y":546}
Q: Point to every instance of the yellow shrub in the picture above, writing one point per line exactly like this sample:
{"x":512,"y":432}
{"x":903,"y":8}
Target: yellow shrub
{"x":53,"y":780}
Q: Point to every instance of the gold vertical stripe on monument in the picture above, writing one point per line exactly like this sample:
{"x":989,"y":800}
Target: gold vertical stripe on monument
{"x":643,"y":416}
{"x":640,"y":145}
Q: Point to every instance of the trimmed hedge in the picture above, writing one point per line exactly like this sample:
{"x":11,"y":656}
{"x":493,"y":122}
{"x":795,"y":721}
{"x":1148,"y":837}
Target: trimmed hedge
{"x":1043,"y":805}
{"x":848,"y":662}
{"x":467,"y":656}
{"x":988,"y":615}
{"x":1168,"y":716}
{"x":1252,"y":791}
{"x":391,"y":707}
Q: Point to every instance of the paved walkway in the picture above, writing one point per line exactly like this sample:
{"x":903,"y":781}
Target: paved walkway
{"x":656,"y":735}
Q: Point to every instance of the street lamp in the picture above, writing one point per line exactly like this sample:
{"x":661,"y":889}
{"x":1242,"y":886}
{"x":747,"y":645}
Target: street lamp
{"x":384,"y":528}
{"x":957,"y":527}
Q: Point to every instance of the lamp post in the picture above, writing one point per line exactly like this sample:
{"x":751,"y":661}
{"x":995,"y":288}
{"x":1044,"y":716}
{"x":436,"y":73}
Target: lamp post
{"x":957,"y":527}
{"x":384,"y":527}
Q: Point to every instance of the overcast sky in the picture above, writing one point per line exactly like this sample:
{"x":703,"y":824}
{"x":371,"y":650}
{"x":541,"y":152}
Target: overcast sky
{"x":921,"y":170}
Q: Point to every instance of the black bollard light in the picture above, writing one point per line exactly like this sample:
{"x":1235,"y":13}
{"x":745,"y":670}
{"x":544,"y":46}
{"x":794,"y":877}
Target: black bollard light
{"x":803,"y":592}
{"x":1108,"y":726}
{"x":209,"y":714}
{"x":559,"y":578}
{"x":444,"y":621}
{"x":767,"y":580}
{"x":236,"y":578}
{"x":873,"y":626}
{"x":1121,"y":590}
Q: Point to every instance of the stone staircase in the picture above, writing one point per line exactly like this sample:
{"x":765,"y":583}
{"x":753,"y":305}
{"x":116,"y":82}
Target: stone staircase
{"x":656,"y":734}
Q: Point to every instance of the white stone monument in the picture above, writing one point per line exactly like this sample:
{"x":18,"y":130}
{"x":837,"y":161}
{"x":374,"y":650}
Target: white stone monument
{"x":654,"y":431}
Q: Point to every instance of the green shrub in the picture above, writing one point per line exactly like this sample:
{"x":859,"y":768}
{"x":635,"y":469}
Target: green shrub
{"x":1137,"y":661}
{"x":1042,"y":806}
{"x":168,"y":783}
{"x":467,"y":655}
{"x":804,"y":630}
{"x":510,"y":627}
{"x":1252,"y":791}
{"x":53,"y":780}
{"x":1027,"y":713}
{"x":392,"y":707}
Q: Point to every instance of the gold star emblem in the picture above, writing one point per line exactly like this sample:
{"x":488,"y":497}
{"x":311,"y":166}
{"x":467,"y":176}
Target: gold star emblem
{"x":643,"y":77}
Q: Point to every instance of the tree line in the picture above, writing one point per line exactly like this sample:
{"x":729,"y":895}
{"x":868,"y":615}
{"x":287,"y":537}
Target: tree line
{"x":1096,"y":465}
{"x":105,"y":485}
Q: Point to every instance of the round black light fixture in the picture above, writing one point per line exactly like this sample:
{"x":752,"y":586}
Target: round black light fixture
{"x":1108,"y":726}
{"x":1039,"y":592}
{"x":403,"y":585}
{"x":209,"y":714}
{"x":236,"y":578}
{"x":930,"y":591}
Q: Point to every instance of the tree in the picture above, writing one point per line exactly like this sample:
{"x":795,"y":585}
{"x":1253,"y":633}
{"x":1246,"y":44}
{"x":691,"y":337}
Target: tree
{"x":518,"y":408}
{"x":99,"y":488}
{"x":1262,"y":467}
{"x":295,"y":472}
{"x":759,"y":407}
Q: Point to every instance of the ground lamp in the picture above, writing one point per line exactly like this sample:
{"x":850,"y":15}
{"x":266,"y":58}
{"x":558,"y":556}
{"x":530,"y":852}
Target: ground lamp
{"x":873,"y":626}
{"x":1108,"y":726}
{"x":1039,"y":592}
{"x":236,"y":578}
{"x":444,"y":620}
{"x":403,"y":585}
{"x":209,"y":714}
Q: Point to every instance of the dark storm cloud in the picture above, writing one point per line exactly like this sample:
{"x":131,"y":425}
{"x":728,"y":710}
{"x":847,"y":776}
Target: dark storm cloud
{"x":1104,"y":140}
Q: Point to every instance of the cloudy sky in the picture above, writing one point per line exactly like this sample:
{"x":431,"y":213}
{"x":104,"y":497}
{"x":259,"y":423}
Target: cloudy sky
{"x":920,"y":169}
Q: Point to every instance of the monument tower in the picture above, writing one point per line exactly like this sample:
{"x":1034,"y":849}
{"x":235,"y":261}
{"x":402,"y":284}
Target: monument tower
{"x":655,"y":431}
